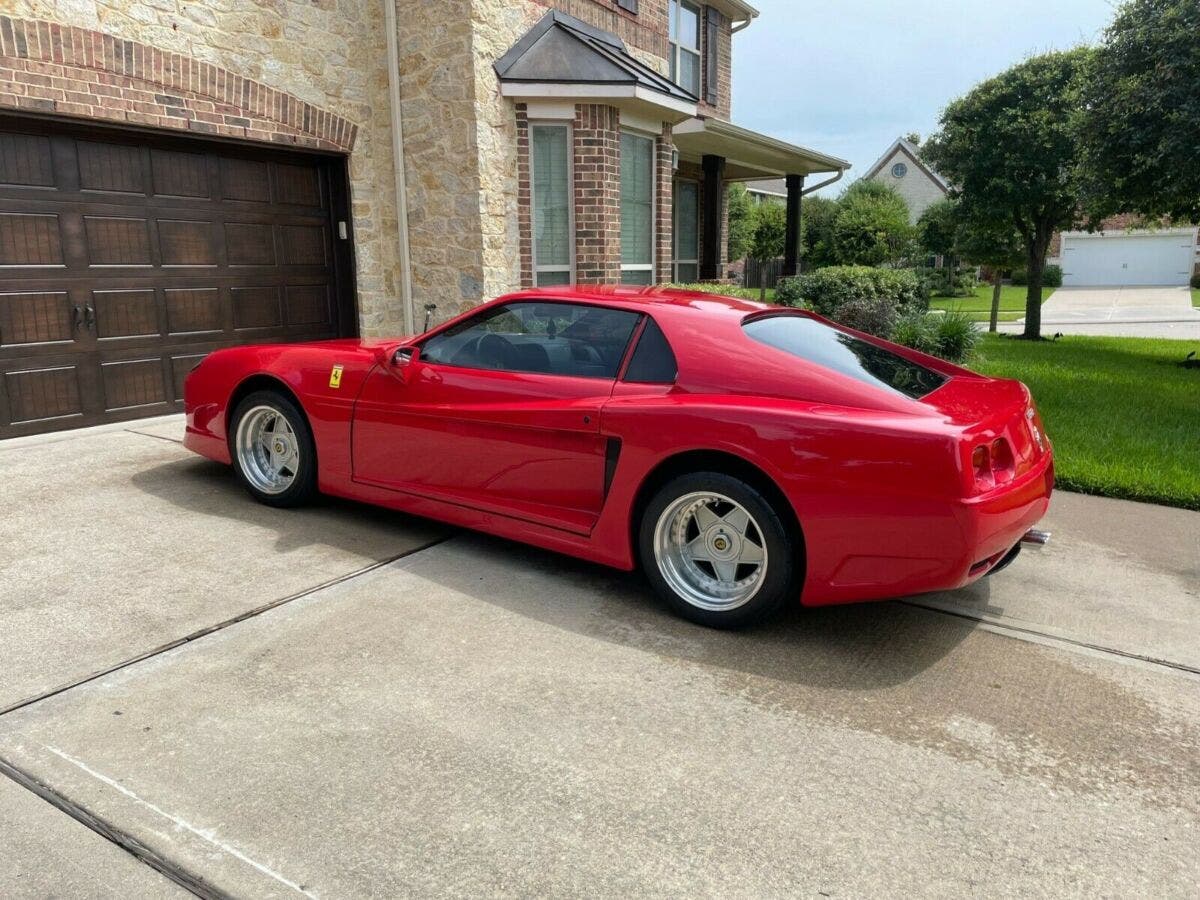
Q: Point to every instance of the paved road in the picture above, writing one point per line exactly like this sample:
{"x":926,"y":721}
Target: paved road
{"x":376,"y":705}
{"x":1164,"y":312}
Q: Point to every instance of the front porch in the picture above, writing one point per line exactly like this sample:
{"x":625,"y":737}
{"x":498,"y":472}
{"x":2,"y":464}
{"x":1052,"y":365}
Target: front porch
{"x":713,"y":154}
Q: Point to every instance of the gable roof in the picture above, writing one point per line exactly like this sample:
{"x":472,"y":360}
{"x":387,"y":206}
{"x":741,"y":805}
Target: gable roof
{"x":561,"y":49}
{"x":910,"y":150}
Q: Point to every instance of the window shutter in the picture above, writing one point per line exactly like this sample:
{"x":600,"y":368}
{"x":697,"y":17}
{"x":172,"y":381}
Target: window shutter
{"x":629,"y":6}
{"x":711,"y":41}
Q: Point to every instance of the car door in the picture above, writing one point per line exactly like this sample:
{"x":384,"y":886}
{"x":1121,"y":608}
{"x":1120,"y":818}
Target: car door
{"x":500,"y":413}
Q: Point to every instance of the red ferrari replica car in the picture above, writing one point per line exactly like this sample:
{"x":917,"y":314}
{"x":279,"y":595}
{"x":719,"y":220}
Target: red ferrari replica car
{"x":744,"y":455}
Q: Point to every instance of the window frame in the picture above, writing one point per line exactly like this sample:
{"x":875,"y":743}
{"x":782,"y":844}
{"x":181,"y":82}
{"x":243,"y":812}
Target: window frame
{"x":650,"y":266}
{"x":569,"y":268}
{"x":675,"y":260}
{"x":492,"y":311}
{"x":674,"y":19}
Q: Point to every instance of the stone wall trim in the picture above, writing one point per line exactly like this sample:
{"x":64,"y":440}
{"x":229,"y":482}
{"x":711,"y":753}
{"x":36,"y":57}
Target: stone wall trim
{"x":50,"y":67}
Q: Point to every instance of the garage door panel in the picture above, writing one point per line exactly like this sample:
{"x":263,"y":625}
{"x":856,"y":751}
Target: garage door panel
{"x":133,"y":383}
{"x":25,"y":159}
{"x":111,"y":168}
{"x":117,"y":241}
{"x":249,"y":244}
{"x":126,"y":314}
{"x":194,"y":311}
{"x":30,"y":239}
{"x":186,"y":243}
{"x":35,"y":318}
{"x":1122,"y":260}
{"x":179,"y":174}
{"x":38,"y":392}
{"x":125,"y":259}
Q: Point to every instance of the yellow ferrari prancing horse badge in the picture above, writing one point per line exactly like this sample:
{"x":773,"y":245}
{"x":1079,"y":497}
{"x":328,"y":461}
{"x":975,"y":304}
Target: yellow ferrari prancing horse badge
{"x":335,"y":377}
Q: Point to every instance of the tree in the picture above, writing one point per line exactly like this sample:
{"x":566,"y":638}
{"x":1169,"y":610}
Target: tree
{"x":937,"y":231}
{"x":1011,"y":149}
{"x":818,"y":215}
{"x":1143,"y":113}
{"x":741,"y":221}
{"x":995,"y":245}
{"x":769,"y":236}
{"x":872,"y":224}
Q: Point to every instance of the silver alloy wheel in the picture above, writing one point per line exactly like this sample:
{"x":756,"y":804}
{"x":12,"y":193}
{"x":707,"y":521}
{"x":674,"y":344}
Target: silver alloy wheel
{"x":711,"y":551}
{"x":268,"y":450}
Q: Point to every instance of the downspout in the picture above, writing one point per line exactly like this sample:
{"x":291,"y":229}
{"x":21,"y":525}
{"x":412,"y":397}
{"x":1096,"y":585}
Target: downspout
{"x":393,"y":53}
{"x":825,"y":183}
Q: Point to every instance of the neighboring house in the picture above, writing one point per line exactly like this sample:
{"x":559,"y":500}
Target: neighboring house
{"x":773,"y":190}
{"x":179,"y":178}
{"x":901,"y":167}
{"x":1118,"y":255}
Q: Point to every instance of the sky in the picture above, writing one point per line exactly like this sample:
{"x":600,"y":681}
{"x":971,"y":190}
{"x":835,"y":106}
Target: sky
{"x":848,"y":77}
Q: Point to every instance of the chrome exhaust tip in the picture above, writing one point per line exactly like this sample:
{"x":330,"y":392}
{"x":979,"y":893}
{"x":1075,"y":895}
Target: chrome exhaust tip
{"x":1036,"y":537}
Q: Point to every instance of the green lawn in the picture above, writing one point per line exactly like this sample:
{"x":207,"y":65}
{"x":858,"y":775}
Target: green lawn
{"x":1123,"y":415}
{"x":1012,"y":302}
{"x":1196,"y":297}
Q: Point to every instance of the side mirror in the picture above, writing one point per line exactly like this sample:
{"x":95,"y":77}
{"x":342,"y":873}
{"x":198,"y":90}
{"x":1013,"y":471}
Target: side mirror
{"x":405,"y":356}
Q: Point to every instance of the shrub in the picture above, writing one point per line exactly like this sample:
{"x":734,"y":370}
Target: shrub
{"x":957,"y":335}
{"x":725,"y":290}
{"x":1051,"y":276}
{"x":874,"y":315}
{"x":1196,"y":281}
{"x":787,"y":291}
{"x":916,"y":330}
{"x":952,"y":335}
{"x":825,"y":290}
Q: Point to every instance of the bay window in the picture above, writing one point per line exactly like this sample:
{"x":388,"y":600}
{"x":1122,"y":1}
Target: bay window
{"x":550,"y":202}
{"x":684,"y":36}
{"x":637,"y":209}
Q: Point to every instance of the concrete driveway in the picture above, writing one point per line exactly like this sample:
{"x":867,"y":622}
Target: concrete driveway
{"x":342,"y":702}
{"x":1120,"y":312}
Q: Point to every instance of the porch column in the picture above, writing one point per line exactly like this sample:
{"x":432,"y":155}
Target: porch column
{"x":710,"y":245}
{"x":791,"y":247}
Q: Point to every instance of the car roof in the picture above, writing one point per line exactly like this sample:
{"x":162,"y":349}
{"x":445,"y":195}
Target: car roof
{"x":630,"y":297}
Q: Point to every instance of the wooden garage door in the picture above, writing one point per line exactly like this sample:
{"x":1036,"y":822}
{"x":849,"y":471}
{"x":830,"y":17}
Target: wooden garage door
{"x":124,"y":259}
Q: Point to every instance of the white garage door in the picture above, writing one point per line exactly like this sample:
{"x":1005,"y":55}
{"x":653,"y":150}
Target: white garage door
{"x":1098,"y":260}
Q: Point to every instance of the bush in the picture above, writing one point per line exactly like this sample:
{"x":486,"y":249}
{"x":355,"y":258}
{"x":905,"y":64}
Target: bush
{"x":826,"y":290}
{"x":725,"y":290}
{"x":787,"y":291}
{"x":952,"y":335}
{"x":874,"y":315}
{"x":963,"y":283}
{"x":1196,"y":281}
{"x":1051,"y":276}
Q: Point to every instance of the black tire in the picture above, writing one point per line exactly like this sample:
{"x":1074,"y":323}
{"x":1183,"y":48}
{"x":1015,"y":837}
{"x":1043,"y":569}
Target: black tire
{"x":304,"y":483}
{"x":782,"y":581}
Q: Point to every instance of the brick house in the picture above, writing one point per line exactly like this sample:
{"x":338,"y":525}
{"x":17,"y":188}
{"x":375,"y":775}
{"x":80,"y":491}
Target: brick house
{"x":176,"y":177}
{"x":901,"y":167}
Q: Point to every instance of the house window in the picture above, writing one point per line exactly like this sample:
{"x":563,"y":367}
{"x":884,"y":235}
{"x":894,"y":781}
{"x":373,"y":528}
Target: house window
{"x":550,"y":201}
{"x":637,"y":209}
{"x":686,"y":217}
{"x":684,"y":27}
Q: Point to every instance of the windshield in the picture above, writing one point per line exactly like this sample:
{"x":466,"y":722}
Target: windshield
{"x":834,"y":349}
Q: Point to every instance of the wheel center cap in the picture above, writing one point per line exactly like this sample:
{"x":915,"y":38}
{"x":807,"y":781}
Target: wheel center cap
{"x":279,"y":447}
{"x":722,"y":545}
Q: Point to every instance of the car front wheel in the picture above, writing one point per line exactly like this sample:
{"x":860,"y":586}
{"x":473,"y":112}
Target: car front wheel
{"x":716,"y":550}
{"x":273,"y":450}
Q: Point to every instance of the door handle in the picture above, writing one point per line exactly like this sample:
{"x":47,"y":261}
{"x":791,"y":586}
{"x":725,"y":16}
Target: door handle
{"x":77,"y":317}
{"x":89,"y":316}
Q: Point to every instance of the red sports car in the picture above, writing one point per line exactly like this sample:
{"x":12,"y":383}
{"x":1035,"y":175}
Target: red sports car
{"x":744,"y":455}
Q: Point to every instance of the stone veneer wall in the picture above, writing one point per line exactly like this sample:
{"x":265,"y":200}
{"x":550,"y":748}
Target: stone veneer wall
{"x":306,"y":72}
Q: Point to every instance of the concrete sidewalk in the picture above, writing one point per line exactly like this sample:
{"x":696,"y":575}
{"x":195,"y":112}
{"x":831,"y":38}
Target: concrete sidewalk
{"x":1165,"y":312}
{"x":478,"y":717}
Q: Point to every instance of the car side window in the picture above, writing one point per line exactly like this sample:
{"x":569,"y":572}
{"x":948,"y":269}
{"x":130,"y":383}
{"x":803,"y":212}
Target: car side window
{"x":653,"y":361}
{"x":541,"y":337}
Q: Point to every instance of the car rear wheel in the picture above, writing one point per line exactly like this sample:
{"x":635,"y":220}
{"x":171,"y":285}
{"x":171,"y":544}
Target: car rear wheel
{"x":717,"y":551}
{"x":272,"y":450}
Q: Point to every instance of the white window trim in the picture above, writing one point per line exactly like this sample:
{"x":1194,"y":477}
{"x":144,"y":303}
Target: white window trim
{"x":648,"y":267}
{"x":675,"y":261}
{"x":569,"y":268}
{"x":677,"y":48}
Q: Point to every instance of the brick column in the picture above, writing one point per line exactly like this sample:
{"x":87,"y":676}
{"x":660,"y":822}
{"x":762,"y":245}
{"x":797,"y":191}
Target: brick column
{"x":524,"y":196}
{"x":664,"y":213}
{"x":597,"y":154}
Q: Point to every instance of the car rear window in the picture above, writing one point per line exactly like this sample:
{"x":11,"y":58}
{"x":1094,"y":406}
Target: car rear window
{"x":834,"y":349}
